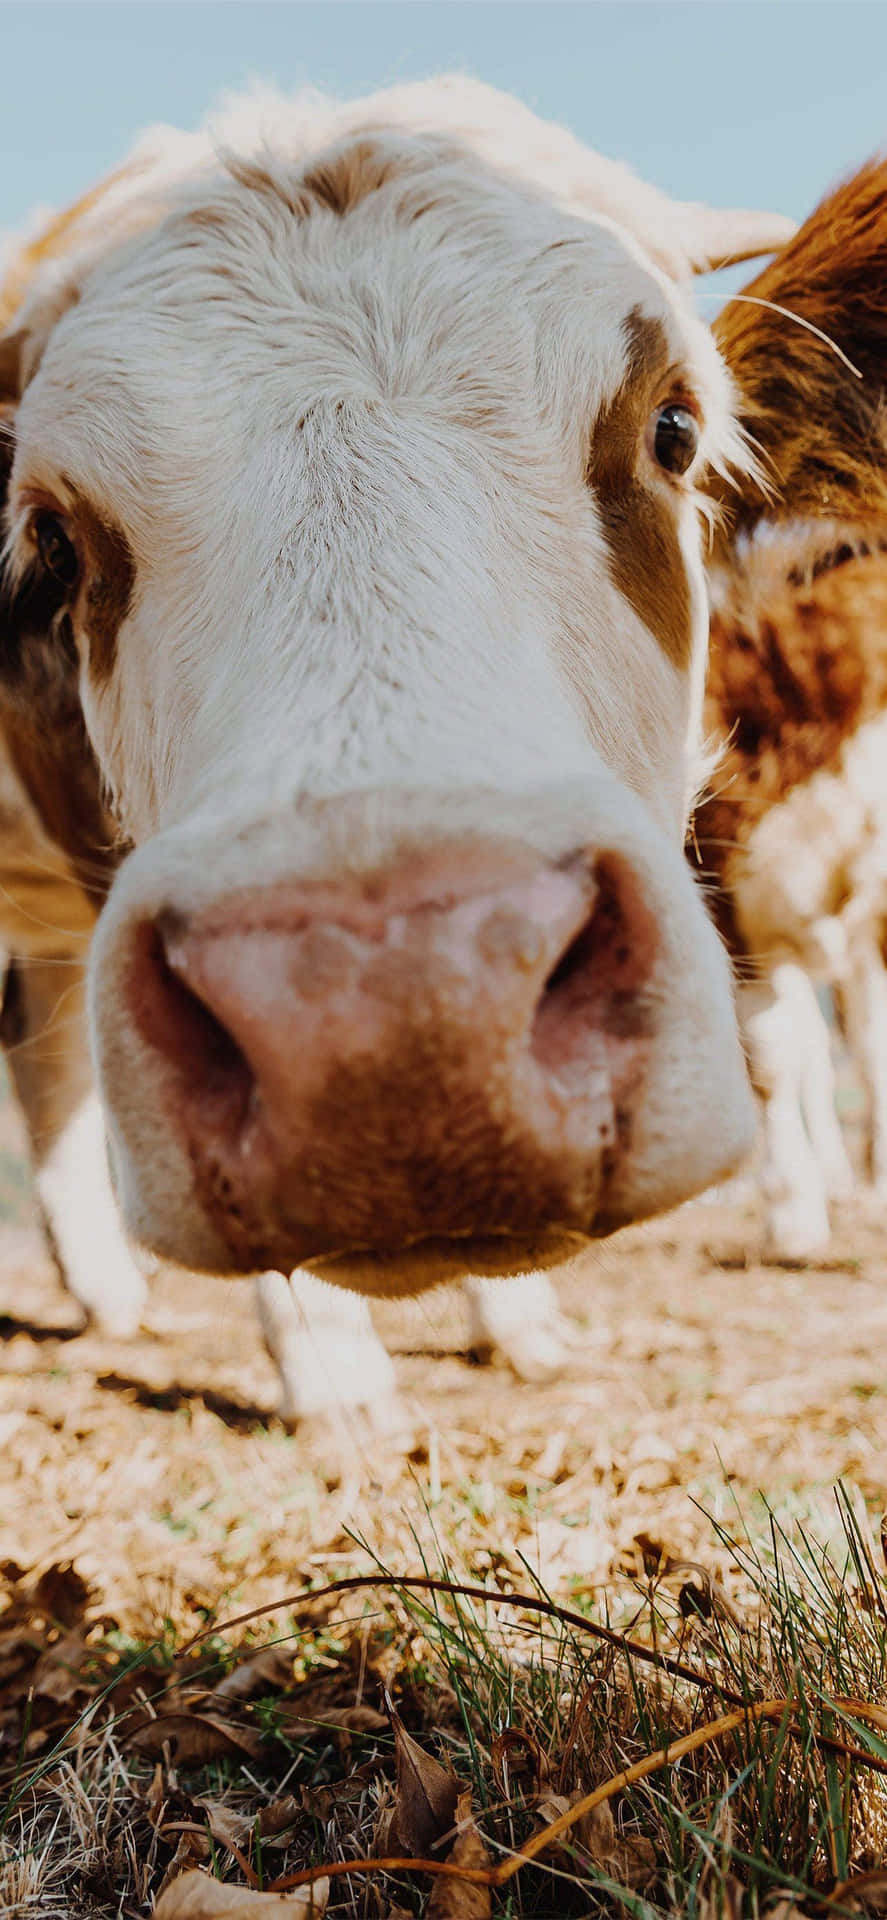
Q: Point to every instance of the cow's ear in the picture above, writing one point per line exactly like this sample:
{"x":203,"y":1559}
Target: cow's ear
{"x":683,"y":237}
{"x":806,"y":342}
{"x":724,"y":236}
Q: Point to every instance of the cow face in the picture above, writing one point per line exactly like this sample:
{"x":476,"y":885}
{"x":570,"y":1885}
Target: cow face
{"x":365,"y":485}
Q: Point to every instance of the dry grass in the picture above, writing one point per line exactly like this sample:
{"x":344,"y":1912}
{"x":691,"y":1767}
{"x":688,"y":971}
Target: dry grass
{"x":258,"y":1764}
{"x":159,"y":1470}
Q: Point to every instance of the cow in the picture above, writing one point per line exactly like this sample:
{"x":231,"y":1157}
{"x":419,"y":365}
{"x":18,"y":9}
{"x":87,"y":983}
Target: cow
{"x":353,"y":644}
{"x":793,"y":827}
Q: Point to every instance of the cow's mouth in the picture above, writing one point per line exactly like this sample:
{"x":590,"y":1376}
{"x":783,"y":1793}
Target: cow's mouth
{"x":437,"y":1260}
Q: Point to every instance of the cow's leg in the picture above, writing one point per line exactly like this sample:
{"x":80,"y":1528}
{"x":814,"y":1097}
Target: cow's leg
{"x":329,"y":1358}
{"x":864,"y":1002}
{"x":819,"y":1107}
{"x":520,"y":1317}
{"x":44,"y":1031}
{"x":777,"y":1021}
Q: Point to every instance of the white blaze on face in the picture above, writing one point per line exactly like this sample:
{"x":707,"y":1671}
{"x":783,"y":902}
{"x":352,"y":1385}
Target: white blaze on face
{"x":349,"y":455}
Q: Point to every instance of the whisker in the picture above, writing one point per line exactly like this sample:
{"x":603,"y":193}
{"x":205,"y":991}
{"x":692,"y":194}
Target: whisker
{"x":753,"y":300}
{"x":47,"y":926}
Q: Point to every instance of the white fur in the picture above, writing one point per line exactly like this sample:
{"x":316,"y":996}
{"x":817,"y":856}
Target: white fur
{"x":828,"y":837}
{"x":99,"y":1267}
{"x":373,"y":593}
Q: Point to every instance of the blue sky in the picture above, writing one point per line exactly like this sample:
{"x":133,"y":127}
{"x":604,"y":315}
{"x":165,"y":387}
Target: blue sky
{"x":747,"y":101}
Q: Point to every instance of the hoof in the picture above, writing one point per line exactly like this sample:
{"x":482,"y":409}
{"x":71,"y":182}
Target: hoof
{"x":518,"y":1320}
{"x":796,"y":1236}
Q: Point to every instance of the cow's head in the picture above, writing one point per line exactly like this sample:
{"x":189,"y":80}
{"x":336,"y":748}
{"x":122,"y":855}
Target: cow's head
{"x":359,"y":485}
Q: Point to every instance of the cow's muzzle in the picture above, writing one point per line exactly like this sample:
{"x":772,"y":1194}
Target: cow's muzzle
{"x":449,"y":1047}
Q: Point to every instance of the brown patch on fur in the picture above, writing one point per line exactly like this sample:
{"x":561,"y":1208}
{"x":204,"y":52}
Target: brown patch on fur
{"x":337,"y":182}
{"x":344,"y":179}
{"x":798,"y":664}
{"x":106,"y":594}
{"x":822,"y":431}
{"x":52,"y":242}
{"x":42,"y":726}
{"x":56,"y":766}
{"x":646,"y":562}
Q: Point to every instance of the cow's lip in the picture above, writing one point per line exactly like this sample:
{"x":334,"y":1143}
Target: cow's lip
{"x":439,"y":1259}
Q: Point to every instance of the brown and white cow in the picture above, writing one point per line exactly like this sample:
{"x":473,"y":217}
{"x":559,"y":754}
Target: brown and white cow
{"x":356,"y":520}
{"x":794,"y":827}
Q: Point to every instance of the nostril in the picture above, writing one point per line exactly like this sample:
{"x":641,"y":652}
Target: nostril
{"x":178,"y":1024}
{"x":567,"y":1007}
{"x":594,"y":992}
{"x":573,"y":963}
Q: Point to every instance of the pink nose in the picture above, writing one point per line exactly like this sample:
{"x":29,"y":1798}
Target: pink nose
{"x":447,"y":1047}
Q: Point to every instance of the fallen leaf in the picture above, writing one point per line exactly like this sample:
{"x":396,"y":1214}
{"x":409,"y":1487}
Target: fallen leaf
{"x":155,"y":1796}
{"x":426,"y":1793}
{"x":278,"y":1816}
{"x":453,"y":1899}
{"x":627,"y":1858}
{"x":264,"y":1671}
{"x":194,"y":1738}
{"x":633,"y":1862}
{"x":18,"y":1650}
{"x":195,"y":1896}
{"x":725,"y":1903}
{"x":548,"y":1810}
{"x":273,"y":1822}
{"x":230,"y":1829}
{"x":518,"y":1760}
{"x":62,"y":1594}
{"x":57,"y":1675}
{"x":862,"y":1891}
{"x":190,"y":1848}
{"x":599,"y":1832}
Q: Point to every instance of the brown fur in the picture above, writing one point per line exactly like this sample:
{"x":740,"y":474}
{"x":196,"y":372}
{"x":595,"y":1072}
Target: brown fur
{"x":52,"y":243}
{"x":343,"y":181}
{"x":645,"y":556}
{"x":106,"y":594}
{"x":338,"y":183}
{"x":799,"y":629}
{"x":42,"y":731}
{"x":798,"y":663}
{"x":822,"y":431}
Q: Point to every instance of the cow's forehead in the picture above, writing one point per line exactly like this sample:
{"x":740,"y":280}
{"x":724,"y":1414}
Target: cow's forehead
{"x":422,"y":270}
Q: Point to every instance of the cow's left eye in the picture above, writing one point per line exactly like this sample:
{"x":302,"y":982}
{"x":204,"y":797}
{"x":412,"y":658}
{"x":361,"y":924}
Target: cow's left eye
{"x":58,"y":554}
{"x":675,"y":439}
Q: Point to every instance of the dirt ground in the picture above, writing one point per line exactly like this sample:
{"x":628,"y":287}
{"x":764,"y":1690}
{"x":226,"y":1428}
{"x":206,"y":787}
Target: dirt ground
{"x":700,"y":1383}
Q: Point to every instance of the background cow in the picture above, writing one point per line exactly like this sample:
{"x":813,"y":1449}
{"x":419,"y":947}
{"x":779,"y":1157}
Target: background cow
{"x":794,"y":825}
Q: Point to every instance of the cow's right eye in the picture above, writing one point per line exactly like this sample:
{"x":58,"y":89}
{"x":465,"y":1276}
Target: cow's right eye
{"x":58,"y":554}
{"x":675,"y":439}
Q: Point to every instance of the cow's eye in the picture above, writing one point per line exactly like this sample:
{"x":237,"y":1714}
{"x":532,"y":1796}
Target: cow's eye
{"x":58,"y":554}
{"x":675,"y":439}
